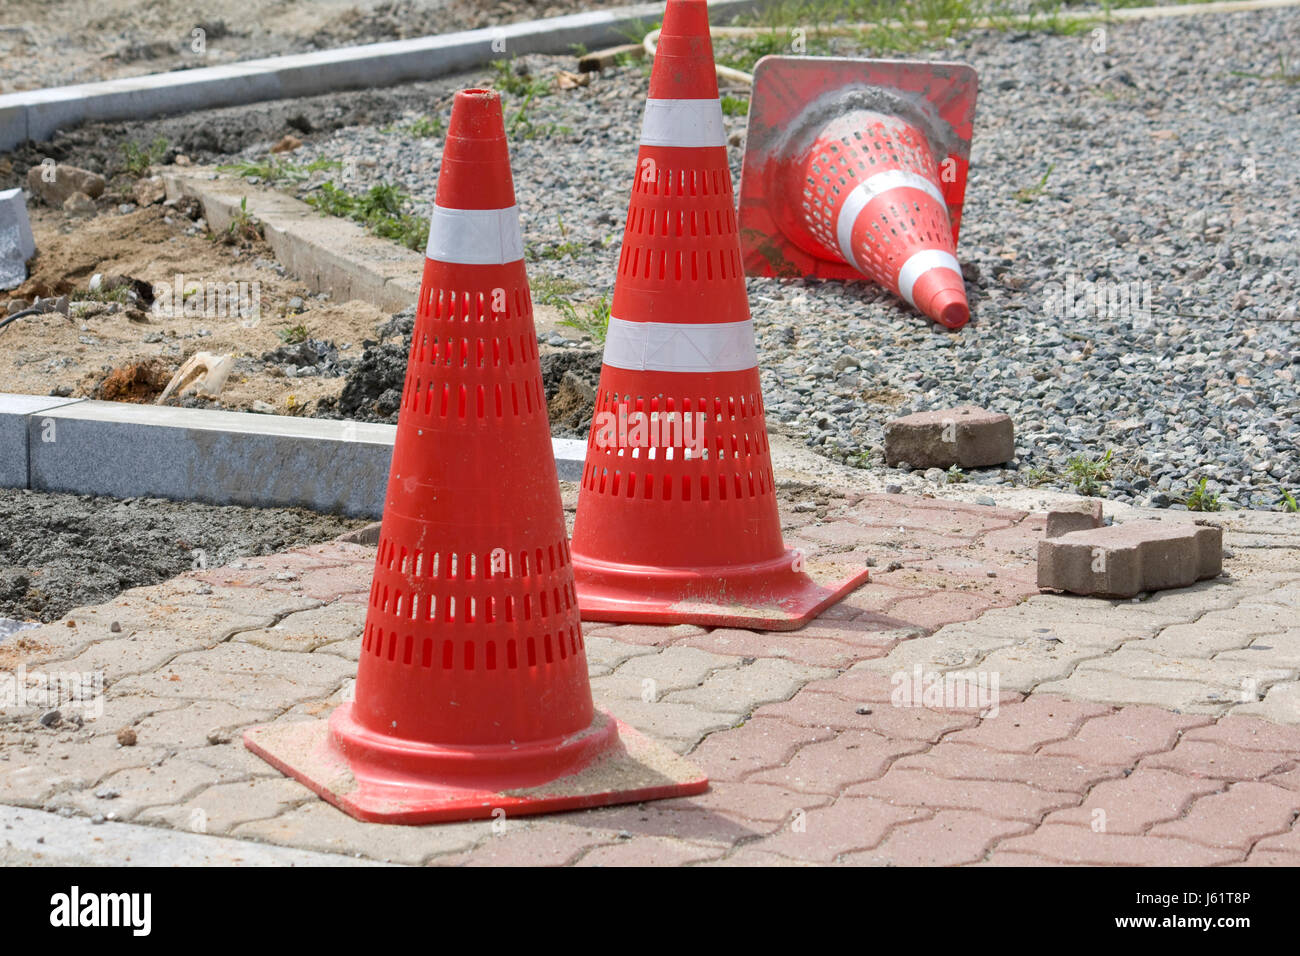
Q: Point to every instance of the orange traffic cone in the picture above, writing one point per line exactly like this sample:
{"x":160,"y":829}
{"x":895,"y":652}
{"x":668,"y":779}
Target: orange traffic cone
{"x":472,"y":694}
{"x":677,"y":517}
{"x":858,"y":168}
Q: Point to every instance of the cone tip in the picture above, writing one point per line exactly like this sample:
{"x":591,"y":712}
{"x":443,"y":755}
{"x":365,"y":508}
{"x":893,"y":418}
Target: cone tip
{"x":950,"y":308}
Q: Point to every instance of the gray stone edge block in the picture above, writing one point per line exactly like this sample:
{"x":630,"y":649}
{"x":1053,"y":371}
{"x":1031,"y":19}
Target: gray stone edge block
{"x":36,"y":114}
{"x":217,"y":457}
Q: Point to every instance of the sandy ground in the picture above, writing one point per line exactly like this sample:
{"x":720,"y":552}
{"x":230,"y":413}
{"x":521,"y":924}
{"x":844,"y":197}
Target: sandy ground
{"x":105,"y":39}
{"x":41,"y":354}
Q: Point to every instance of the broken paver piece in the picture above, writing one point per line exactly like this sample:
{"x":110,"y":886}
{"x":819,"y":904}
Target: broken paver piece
{"x":55,"y":183}
{"x":966,"y":436}
{"x":1124,"y":560}
{"x":1081,"y":515}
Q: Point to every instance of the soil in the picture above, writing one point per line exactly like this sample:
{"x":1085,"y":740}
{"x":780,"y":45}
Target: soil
{"x":120,"y":352}
{"x":58,"y":552}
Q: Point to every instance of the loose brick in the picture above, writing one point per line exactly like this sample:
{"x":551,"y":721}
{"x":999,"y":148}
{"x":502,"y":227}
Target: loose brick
{"x":967,"y":436}
{"x":1124,"y":560}
{"x":1082,"y":515}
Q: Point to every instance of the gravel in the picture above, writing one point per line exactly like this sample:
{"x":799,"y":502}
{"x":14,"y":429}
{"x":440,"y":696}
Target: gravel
{"x":1169,"y":171}
{"x":58,"y":552}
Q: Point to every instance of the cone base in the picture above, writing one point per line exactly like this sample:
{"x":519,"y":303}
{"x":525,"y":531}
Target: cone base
{"x":635,"y":768}
{"x":774,"y":598}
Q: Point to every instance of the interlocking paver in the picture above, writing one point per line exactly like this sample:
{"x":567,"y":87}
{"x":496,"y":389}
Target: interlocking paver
{"x":305,"y":631}
{"x":831,"y":765}
{"x":759,"y":743}
{"x":1217,"y":761}
{"x":650,"y":851}
{"x":1025,"y":726}
{"x":1122,"y":737}
{"x":812,"y":708}
{"x":1246,"y":812}
{"x":1073,"y":844}
{"x":848,"y":824}
{"x":1135,"y":803}
{"x":751,"y":804}
{"x":744,"y":688}
{"x":1004,"y":799}
{"x":949,"y":838}
{"x":224,"y":806}
{"x":968,"y":762}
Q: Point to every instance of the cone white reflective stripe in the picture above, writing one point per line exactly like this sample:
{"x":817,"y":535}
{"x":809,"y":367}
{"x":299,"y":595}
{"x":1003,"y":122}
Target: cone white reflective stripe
{"x":673,"y":347}
{"x":921,"y":263}
{"x":475,"y":237}
{"x":683,"y":123}
{"x":869,"y":189}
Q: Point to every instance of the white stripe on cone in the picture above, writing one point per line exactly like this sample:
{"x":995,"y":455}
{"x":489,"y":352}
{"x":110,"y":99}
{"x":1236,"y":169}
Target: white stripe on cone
{"x":919,"y":264}
{"x":868,"y":190}
{"x":476,"y":237}
{"x":683,"y":123}
{"x":672,"y":347}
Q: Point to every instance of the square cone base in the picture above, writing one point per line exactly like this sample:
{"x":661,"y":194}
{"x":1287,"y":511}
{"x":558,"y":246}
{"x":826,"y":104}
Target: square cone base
{"x":640,"y":769}
{"x":785,"y":610}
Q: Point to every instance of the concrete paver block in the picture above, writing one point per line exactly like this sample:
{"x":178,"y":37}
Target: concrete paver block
{"x":1077,"y":516}
{"x":966,"y":436}
{"x":1125,"y":560}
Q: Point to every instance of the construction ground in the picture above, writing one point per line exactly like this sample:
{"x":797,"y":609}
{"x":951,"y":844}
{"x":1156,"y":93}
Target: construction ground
{"x":1158,"y":730}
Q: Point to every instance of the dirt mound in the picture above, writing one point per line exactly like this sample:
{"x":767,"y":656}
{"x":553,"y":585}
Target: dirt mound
{"x":139,"y":382}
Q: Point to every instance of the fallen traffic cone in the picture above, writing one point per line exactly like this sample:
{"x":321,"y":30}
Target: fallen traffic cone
{"x":472,"y":697}
{"x":858,"y":168}
{"x":677,"y":516}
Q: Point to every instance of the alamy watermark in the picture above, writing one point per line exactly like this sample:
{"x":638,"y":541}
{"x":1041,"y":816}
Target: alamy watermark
{"x":952,"y":690}
{"x":1080,"y":298}
{"x":70,"y":692}
{"x":208,"y":300}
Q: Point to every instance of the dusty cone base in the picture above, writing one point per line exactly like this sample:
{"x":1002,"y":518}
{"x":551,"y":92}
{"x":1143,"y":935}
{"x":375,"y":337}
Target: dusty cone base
{"x":639,"y":769}
{"x":769,"y":600}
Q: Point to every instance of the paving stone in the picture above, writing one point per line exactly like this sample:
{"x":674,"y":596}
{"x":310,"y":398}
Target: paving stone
{"x":967,"y":762}
{"x":748,"y":856}
{"x":190,"y":592}
{"x":1004,"y":799}
{"x":1286,"y":778}
{"x":138,"y":654}
{"x":650,"y":851}
{"x":829,"y":766}
{"x":958,"y":647}
{"x":1232,"y":681}
{"x":850,"y":823}
{"x":610,"y":653}
{"x":658,"y":675}
{"x":348,"y":650}
{"x":1123,"y":737}
{"x":29,"y":777}
{"x":741,"y":689}
{"x":1281,"y":704}
{"x":305,"y":631}
{"x":222,"y":807}
{"x":318,"y":826}
{"x":1281,"y":651}
{"x":679,"y":726}
{"x":1107,"y":687}
{"x":1236,"y":819}
{"x":525,"y":842}
{"x":1288,"y":842}
{"x":1072,"y":844}
{"x":967,"y":436}
{"x":1133,"y":804}
{"x":1034,"y":661}
{"x":1124,"y":560}
{"x":171,"y":782}
{"x":197,"y":724}
{"x":646,"y":635}
{"x":1025,"y":726}
{"x":656,"y":818}
{"x":818,"y":709}
{"x":939,"y":608}
{"x":760,"y":743}
{"x":1218,"y":761}
{"x":1081,"y":515}
{"x":750,"y":804}
{"x":949,"y":838}
{"x":812,"y":645}
{"x":1248,"y":733}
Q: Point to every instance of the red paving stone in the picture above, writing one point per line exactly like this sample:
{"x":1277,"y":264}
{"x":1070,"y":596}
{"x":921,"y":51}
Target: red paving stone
{"x":761,"y":743}
{"x":1070,"y":844}
{"x":949,"y":838}
{"x":1247,"y":812}
{"x":1136,"y":803}
{"x":812,"y":708}
{"x":999,"y":799}
{"x":652,"y":851}
{"x":1201,"y":758}
{"x":1120,"y":738}
{"x":850,"y":823}
{"x":830,"y":766}
{"x":1027,"y":725}
{"x":752,"y":804}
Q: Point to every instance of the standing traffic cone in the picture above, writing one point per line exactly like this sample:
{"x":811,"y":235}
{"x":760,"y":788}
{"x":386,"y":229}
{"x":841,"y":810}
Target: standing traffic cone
{"x":858,"y":168}
{"x":677,"y":517}
{"x":472,"y":694}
